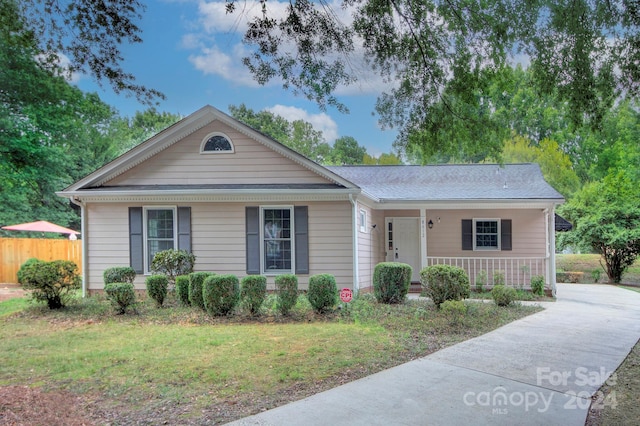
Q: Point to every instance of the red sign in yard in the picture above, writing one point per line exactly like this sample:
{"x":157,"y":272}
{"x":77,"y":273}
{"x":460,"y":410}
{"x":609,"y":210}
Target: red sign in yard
{"x":346,"y":295}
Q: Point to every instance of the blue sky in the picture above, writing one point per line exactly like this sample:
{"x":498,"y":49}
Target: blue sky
{"x":192,"y":53}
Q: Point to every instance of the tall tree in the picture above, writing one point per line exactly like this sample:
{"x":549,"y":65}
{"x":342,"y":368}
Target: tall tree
{"x":89,"y":33}
{"x":346,"y":151}
{"x":606,"y":218}
{"x":437,"y":54}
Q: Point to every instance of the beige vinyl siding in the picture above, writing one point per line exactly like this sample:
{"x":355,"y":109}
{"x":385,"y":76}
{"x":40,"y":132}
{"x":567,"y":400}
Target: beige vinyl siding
{"x":251,"y":163}
{"x":528,"y":232}
{"x":370,"y":246}
{"x":218,"y":240}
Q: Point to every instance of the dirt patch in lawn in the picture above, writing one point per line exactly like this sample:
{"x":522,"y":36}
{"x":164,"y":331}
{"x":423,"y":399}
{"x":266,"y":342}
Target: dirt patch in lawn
{"x":8,"y":291}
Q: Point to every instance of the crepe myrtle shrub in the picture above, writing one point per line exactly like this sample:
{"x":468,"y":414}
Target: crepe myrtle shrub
{"x":498,"y":277}
{"x":182,"y":289}
{"x":445,"y":282}
{"x":391,"y":281}
{"x":503,"y":295}
{"x":196,"y":279}
{"x":323,"y":292}
{"x":253,"y":291}
{"x":481,"y":280}
{"x":157,"y":288}
{"x":287,"y":292}
{"x":52,"y":282}
{"x":537,"y":285}
{"x":121,"y":296}
{"x":173,"y":263}
{"x":221,"y":294}
{"x":119,"y":274}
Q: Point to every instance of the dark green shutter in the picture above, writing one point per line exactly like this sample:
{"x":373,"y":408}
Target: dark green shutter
{"x":467,"y":234}
{"x":136,"y":249}
{"x":301,"y":222}
{"x":505,"y":234}
{"x":184,"y":228}
{"x":252,"y":218}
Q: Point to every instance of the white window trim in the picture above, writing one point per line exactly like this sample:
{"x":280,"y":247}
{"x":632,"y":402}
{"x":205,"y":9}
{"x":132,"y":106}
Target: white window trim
{"x":490,"y":219}
{"x":272,"y":272}
{"x":209,"y":136}
{"x":363,"y":220}
{"x":145,"y":236}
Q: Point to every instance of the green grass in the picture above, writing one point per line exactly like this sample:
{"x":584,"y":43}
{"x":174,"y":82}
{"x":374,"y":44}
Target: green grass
{"x":181,"y":357}
{"x":11,"y":306}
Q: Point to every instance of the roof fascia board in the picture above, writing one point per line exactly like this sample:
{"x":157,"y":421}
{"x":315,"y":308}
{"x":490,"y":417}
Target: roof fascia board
{"x":210,"y":196}
{"x":468,"y":204}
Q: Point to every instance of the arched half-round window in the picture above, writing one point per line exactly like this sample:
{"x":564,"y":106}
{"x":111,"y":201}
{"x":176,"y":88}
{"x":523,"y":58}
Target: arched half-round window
{"x":216,"y":143}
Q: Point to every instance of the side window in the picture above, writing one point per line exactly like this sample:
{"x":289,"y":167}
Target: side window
{"x":160,"y":232}
{"x":486,"y":234}
{"x":363,"y":220}
{"x":277,"y":239}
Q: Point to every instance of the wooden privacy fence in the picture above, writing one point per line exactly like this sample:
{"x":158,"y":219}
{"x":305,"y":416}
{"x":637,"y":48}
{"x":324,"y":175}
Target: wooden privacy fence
{"x":15,"y":251}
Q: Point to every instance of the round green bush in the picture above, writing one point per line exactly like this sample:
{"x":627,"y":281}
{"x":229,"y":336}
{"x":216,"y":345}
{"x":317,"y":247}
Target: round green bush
{"x":537,"y":285}
{"x":157,"y":288}
{"x":391,"y":281}
{"x":221,"y":294}
{"x":119,"y":274}
{"x":323,"y":292}
{"x":182,"y":289}
{"x":52,"y":282}
{"x":253,"y":290}
{"x":444,"y":282}
{"x":195,"y":288}
{"x":121,"y":296}
{"x":503,"y":295}
{"x":287,"y":292}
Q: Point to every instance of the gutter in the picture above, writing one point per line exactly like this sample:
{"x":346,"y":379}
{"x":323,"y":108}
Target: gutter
{"x":83,"y":229}
{"x":354,"y":223}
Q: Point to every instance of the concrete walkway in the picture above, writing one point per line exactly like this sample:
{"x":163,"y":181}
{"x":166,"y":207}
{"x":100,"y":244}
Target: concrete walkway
{"x":540,"y":370}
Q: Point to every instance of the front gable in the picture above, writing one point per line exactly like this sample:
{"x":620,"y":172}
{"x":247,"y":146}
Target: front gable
{"x":175,"y":160}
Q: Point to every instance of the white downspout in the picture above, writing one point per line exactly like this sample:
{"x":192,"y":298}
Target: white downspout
{"x":354,"y":225}
{"x":83,"y":229}
{"x":552,"y":249}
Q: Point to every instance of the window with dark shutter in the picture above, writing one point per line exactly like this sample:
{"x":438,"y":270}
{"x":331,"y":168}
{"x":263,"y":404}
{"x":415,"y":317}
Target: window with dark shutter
{"x":301,"y":223}
{"x":136,"y":246}
{"x":505,"y":234}
{"x":252,"y":219}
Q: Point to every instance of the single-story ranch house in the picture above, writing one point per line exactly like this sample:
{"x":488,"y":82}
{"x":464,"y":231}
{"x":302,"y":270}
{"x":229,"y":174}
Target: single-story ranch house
{"x":245,"y":204}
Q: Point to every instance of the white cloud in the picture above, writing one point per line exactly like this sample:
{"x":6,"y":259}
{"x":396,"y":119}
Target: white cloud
{"x":212,"y":60}
{"x":223,"y":55}
{"x":62,"y":62}
{"x":321,"y":121}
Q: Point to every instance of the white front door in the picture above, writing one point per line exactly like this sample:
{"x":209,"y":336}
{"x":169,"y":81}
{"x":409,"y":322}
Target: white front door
{"x":403,"y":242}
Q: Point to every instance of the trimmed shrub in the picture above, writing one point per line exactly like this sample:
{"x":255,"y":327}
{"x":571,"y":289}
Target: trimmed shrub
{"x":323,"y":292}
{"x":537,"y":285}
{"x":481,"y":280}
{"x":121,"y":296}
{"x":455,"y":310}
{"x":119,"y":274}
{"x":391,"y":281}
{"x":287,"y":292}
{"x":445,"y":282}
{"x":157,"y":288}
{"x":51,"y":282}
{"x":498,"y":277}
{"x":221,"y":294}
{"x":196,"y":279}
{"x":173,"y":263}
{"x":569,"y":277}
{"x":253,"y":292}
{"x":503,"y":295}
{"x":182,"y":289}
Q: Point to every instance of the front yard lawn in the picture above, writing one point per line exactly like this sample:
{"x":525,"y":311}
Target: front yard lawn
{"x":178,"y":365}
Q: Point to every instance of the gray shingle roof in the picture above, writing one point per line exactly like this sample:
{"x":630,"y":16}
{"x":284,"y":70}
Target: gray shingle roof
{"x":450,"y":182}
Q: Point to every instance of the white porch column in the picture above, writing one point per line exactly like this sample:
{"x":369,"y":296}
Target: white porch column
{"x":552,"y":249}
{"x":423,"y":238}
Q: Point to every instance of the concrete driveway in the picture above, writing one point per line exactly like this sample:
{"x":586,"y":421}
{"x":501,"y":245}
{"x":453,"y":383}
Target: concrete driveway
{"x":540,"y":370}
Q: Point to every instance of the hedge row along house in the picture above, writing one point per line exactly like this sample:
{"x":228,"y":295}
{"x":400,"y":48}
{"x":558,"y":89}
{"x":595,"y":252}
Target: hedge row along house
{"x":243,"y":203}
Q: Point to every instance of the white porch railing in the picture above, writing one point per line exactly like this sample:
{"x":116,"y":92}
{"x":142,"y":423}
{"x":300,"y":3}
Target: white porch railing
{"x":517,"y":270}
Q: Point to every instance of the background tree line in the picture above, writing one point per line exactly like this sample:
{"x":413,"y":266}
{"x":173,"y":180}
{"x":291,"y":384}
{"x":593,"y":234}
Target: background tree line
{"x":455,"y":95}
